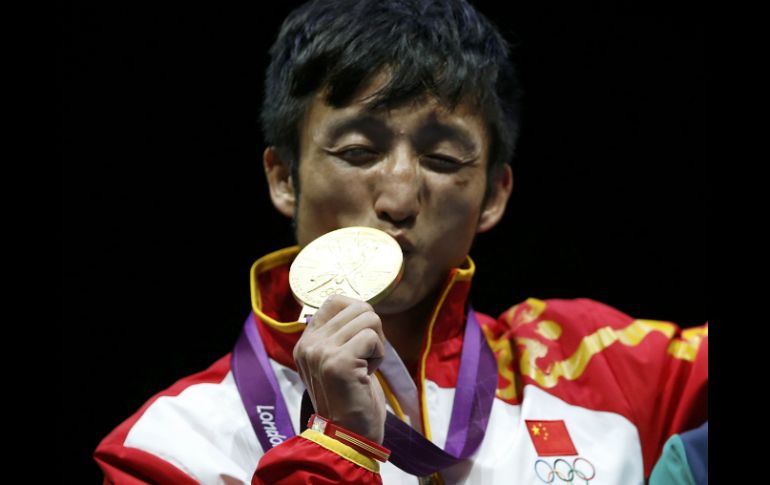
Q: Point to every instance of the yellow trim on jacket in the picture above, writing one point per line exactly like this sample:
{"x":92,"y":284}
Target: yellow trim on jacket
{"x":341,"y":449}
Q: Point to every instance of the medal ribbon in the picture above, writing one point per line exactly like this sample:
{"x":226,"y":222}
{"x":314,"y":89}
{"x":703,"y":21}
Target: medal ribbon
{"x":259,"y":388}
{"x":410,"y":451}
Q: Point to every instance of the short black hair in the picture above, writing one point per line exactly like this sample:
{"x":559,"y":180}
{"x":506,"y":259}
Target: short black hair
{"x":444,"y":48}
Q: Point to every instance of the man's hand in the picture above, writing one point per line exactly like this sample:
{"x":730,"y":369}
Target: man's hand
{"x":336,"y":357}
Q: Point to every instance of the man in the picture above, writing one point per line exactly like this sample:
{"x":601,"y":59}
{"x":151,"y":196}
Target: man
{"x":402,"y":116}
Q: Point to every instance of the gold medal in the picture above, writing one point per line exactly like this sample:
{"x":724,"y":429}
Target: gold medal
{"x":359,"y":262}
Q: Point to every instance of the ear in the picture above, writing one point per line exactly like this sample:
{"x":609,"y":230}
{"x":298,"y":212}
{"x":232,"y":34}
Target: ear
{"x":494,"y":208}
{"x":279,"y":180}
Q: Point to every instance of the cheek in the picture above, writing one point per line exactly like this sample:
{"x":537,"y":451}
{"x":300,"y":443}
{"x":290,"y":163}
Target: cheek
{"x":328,"y":200}
{"x":457,"y":211}
{"x":332,"y":186}
{"x":460,"y":201}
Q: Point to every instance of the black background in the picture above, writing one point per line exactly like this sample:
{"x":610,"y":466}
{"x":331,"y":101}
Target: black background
{"x":164,"y":205}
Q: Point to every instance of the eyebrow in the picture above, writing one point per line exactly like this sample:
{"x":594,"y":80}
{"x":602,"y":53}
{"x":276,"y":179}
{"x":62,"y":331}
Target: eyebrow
{"x":365,"y":123}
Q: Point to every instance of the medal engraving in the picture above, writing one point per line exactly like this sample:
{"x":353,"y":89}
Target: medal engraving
{"x":359,"y":262}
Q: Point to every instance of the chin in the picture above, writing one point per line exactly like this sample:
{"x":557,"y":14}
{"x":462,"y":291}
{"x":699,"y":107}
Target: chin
{"x":394,"y":303}
{"x":406,"y":296}
{"x":417,"y":284}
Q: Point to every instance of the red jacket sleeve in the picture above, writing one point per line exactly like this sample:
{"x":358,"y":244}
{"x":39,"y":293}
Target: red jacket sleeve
{"x":313,"y":458}
{"x":123,"y":464}
{"x":128,"y":466}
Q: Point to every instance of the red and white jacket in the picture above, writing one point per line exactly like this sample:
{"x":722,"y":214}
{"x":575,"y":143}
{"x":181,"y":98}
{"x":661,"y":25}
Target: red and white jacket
{"x":577,"y":372}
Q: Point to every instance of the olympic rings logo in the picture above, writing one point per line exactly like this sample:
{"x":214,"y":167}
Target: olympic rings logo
{"x":580,"y":469}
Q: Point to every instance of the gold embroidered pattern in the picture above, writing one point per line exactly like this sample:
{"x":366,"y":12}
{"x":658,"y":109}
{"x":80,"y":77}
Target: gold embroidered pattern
{"x":573,"y":367}
{"x":503,"y":351}
{"x":687,"y":347}
{"x":549,"y":329}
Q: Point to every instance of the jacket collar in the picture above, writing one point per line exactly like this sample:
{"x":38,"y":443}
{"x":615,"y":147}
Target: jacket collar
{"x":275,"y":307}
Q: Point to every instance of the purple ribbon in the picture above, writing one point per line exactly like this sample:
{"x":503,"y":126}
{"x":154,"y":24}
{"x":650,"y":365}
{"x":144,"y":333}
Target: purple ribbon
{"x":259,"y":389}
{"x":474,"y":393}
{"x":410,"y":451}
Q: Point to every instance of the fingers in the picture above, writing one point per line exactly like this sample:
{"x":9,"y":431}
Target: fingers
{"x":367,"y":345}
{"x":367,"y":320}
{"x":342,"y":317}
{"x":357,"y":358}
{"x":332,"y":306}
{"x":343,"y":330}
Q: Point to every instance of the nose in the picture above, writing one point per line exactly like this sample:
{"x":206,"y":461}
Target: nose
{"x":399,"y":188}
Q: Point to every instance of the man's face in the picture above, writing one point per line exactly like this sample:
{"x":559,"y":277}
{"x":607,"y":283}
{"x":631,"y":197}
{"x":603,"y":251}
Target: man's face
{"x":416,"y":171}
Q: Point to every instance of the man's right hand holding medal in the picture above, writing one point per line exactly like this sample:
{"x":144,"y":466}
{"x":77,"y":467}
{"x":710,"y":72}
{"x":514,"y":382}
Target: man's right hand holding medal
{"x":336,"y":357}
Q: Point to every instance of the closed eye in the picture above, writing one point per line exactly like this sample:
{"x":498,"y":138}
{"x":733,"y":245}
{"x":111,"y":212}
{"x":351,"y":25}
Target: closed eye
{"x":356,"y":155}
{"x":443,"y":163}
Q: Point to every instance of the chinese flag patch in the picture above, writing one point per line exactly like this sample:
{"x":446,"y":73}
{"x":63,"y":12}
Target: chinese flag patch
{"x":551,"y":438}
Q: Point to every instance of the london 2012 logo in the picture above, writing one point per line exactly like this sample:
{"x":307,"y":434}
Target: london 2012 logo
{"x":562,"y":471}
